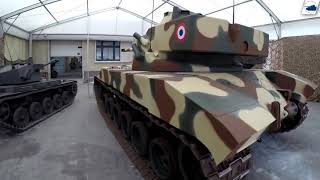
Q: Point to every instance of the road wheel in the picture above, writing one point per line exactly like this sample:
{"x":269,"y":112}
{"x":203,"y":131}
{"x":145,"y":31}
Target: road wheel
{"x":35,"y":111}
{"x":66,"y":97}
{"x":126,"y":120}
{"x":107,"y":104}
{"x":20,"y":117}
{"x":112,"y":104}
{"x":116,"y":113}
{"x":162,"y":157}
{"x":47,"y":105}
{"x":189,"y":166}
{"x":139,"y":137}
{"x":5,"y":111}
{"x":57,"y":101}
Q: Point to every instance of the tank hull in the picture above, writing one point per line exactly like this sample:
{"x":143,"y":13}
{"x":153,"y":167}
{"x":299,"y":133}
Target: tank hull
{"x":225,"y":111}
{"x":24,"y":106}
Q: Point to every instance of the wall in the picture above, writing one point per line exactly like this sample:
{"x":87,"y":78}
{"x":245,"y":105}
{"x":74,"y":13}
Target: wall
{"x":94,"y":67}
{"x":40,"y":54}
{"x":65,"y":48}
{"x":299,"y":55}
{"x":15,"y":48}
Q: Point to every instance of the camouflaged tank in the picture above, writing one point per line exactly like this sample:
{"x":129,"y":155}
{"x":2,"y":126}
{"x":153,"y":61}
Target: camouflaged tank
{"x":192,"y":104}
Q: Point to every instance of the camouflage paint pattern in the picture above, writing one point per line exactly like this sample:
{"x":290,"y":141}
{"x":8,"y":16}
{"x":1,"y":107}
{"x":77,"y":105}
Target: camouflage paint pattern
{"x":226,"y":109}
{"x":227,"y":112}
{"x":200,"y":34}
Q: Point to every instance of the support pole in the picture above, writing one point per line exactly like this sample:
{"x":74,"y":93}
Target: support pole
{"x":1,"y":28}
{"x":30,"y":45}
{"x":87,"y":56}
{"x":2,"y":62}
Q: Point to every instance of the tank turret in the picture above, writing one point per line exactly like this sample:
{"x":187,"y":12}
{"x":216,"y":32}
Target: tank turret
{"x":185,"y":41}
{"x":16,"y":74}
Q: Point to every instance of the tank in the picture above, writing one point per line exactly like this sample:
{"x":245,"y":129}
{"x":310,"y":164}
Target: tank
{"x":192,"y":104}
{"x":26,"y":99}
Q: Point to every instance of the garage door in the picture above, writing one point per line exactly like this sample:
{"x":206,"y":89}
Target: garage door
{"x":65,"y":48}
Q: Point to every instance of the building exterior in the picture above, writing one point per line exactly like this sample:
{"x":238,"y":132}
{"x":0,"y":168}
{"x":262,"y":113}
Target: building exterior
{"x":102,"y":51}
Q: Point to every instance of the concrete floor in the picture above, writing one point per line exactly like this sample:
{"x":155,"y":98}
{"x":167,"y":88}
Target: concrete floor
{"x":76,"y":144}
{"x":290,"y":156}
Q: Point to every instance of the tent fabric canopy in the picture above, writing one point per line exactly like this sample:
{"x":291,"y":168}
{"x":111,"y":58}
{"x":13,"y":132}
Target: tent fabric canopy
{"x":45,"y":14}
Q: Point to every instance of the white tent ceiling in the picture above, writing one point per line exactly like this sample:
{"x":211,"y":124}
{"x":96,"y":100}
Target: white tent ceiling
{"x":124,"y":16}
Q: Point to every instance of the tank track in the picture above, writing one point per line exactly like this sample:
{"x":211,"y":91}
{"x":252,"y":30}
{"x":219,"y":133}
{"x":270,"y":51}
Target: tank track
{"x":41,"y":88}
{"x":233,"y":169}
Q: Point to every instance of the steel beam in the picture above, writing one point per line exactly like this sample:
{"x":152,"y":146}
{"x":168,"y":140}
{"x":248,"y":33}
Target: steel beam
{"x":17,"y":27}
{"x":228,"y":7}
{"x":269,"y":11}
{"x":155,"y":9}
{"x":174,"y":4}
{"x":72,"y":19}
{"x":48,"y":11}
{"x":28,"y":8}
{"x":137,"y":15}
{"x":88,"y":7}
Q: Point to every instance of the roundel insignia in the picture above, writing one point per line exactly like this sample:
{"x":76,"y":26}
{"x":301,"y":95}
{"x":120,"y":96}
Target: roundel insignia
{"x":181,"y":32}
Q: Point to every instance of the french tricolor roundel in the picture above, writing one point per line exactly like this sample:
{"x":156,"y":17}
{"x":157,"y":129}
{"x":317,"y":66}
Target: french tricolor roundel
{"x":181,"y":32}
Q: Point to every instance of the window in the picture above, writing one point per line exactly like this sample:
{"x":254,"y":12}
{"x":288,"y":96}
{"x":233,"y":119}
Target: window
{"x":107,"y":51}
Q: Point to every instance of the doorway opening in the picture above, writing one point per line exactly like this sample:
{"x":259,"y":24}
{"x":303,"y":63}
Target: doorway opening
{"x":67,"y":67}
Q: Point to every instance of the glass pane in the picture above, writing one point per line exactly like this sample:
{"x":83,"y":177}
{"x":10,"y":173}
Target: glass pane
{"x":31,"y":20}
{"x":117,"y":53}
{"x":107,"y":53}
{"x":98,"y":54}
{"x":8,"y":6}
{"x":107,"y":43}
{"x":117,"y":43}
{"x":67,"y":8}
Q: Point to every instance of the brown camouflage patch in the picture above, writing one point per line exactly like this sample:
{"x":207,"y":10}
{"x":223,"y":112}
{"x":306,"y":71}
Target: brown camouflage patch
{"x":129,"y":84}
{"x":164,"y":102}
{"x":308,"y":91}
{"x":164,"y":65}
{"x":227,"y":124}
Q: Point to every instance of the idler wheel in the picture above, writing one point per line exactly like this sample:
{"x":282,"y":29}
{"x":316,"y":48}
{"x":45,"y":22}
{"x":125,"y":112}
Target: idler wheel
{"x":66,"y":97}
{"x":139,"y":137}
{"x":74,"y":89}
{"x":47,"y":105}
{"x":35,"y":111}
{"x":57,"y":101}
{"x":20,"y":117}
{"x":189,"y":166}
{"x":126,"y":119}
{"x":162,"y":157}
{"x":116,"y":113}
{"x":5,"y":111}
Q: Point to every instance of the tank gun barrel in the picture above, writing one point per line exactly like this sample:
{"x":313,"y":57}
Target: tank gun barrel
{"x":145,"y":42}
{"x":50,"y":63}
